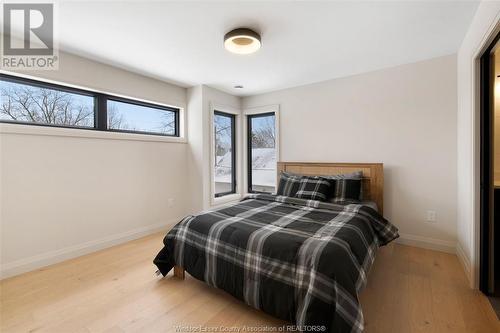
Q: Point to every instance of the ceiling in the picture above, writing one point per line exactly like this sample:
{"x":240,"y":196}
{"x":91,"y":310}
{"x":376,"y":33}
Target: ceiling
{"x":302,"y":42}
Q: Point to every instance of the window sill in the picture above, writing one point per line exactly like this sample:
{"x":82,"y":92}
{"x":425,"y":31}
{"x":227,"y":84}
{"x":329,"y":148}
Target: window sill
{"x":225,"y":199}
{"x":84,"y":133}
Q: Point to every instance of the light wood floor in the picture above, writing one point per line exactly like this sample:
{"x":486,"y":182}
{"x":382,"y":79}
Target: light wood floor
{"x":115,"y":290}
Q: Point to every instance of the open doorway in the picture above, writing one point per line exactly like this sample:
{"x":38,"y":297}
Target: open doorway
{"x":489,"y":275}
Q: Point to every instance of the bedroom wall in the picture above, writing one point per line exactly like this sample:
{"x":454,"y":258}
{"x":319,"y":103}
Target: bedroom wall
{"x":404,"y":117}
{"x":64,"y":195}
{"x":483,"y":24}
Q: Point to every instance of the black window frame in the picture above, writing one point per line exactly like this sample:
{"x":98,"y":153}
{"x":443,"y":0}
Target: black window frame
{"x":233,"y":152}
{"x":148,"y":105}
{"x":249,"y":146}
{"x":100,"y":107}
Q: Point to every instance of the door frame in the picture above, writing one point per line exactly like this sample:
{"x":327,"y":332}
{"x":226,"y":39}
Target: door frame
{"x":486,"y":172}
{"x":473,"y":267}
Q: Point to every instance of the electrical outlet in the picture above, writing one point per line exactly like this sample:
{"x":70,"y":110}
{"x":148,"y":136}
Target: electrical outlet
{"x":171,"y":202}
{"x":431,"y":216}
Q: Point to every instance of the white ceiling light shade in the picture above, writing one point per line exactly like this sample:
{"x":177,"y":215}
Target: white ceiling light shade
{"x":242,"y":41}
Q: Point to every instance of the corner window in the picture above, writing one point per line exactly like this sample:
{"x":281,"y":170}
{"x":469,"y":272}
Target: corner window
{"x":261,"y":149}
{"x":225,"y":156}
{"x":32,"y":102}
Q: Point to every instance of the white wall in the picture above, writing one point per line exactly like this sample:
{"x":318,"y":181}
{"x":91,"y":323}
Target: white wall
{"x":83,"y":72}
{"x":486,"y":17}
{"x":197,"y":155}
{"x":64,"y":195}
{"x":404,"y":117}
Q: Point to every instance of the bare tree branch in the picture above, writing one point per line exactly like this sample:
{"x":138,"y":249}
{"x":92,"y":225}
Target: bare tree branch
{"x":33,"y":104}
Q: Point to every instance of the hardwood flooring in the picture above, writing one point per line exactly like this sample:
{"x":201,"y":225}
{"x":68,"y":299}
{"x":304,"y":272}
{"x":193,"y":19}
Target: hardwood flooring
{"x":116,"y":290}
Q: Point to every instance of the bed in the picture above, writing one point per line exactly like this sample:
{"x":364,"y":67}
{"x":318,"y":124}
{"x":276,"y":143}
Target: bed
{"x":303,"y":261}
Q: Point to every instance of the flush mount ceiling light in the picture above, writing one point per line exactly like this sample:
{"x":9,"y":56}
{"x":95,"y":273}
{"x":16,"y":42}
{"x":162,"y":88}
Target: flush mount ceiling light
{"x":242,"y":41}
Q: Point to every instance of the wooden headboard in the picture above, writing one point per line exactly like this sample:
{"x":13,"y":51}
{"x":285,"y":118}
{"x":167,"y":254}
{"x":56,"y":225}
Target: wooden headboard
{"x":372,"y":182}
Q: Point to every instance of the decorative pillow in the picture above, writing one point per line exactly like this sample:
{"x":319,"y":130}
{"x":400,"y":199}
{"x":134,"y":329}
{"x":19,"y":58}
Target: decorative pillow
{"x":352,"y":175}
{"x":314,"y":188}
{"x":288,"y":185}
{"x":346,"y":189}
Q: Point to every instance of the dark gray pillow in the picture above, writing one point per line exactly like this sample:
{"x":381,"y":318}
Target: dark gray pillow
{"x":345,"y":190}
{"x":288,"y":185}
{"x":314,"y":188}
{"x":352,"y":175}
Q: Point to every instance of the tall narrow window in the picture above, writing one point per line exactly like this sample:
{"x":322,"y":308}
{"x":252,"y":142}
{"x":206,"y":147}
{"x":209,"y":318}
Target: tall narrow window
{"x":225,"y":157}
{"x":261,"y":152}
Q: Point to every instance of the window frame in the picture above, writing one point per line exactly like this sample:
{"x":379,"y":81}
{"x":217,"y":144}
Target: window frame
{"x":148,"y":105}
{"x":233,"y":153}
{"x":256,"y":112}
{"x":53,"y":86}
{"x":100,"y":107}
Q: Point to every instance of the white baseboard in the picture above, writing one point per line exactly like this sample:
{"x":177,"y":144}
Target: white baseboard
{"x":53,"y":257}
{"x":427,"y":243}
{"x":443,"y":246}
{"x":464,"y":260}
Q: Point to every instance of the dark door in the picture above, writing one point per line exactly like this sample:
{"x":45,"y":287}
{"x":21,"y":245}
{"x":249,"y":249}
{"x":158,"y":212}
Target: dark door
{"x":489,"y":194}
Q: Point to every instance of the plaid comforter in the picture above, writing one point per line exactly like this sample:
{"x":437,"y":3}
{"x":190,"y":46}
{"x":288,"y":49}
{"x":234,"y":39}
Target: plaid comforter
{"x":303,"y":261}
